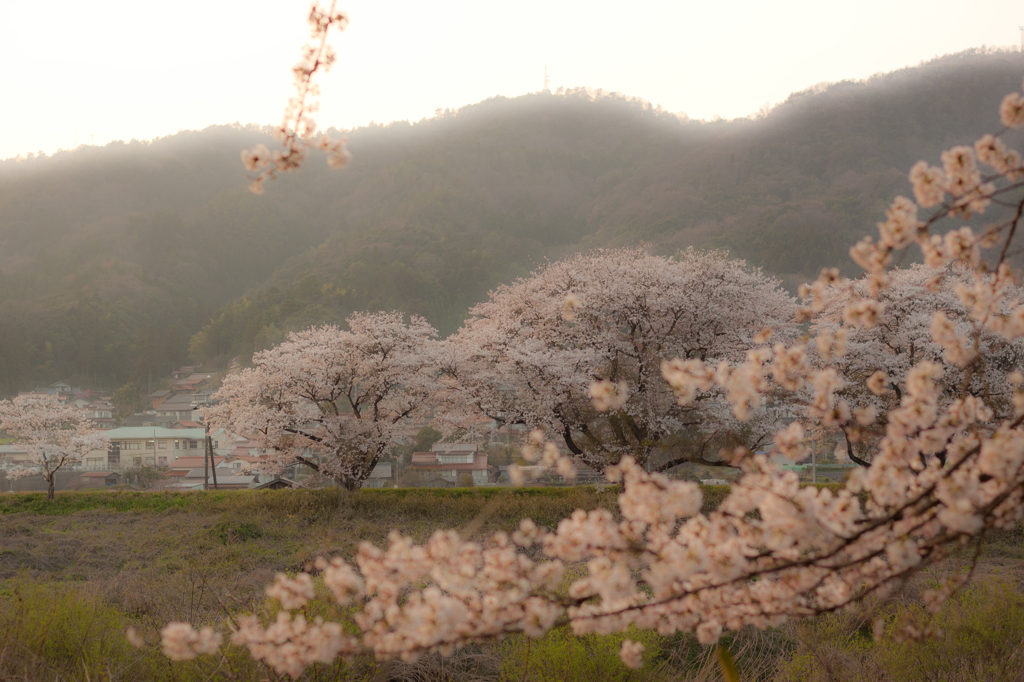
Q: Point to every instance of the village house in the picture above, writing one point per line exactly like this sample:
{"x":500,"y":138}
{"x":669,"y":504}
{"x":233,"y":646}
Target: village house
{"x":226,"y":479}
{"x":98,"y":409}
{"x":41,"y":394}
{"x":203,"y":396}
{"x":100,"y":479}
{"x":99,"y":460}
{"x":181,"y":467}
{"x":229,"y":443}
{"x":155,"y":446}
{"x":60,"y":387}
{"x":240,"y":462}
{"x":277,"y":483}
{"x":448,"y":461}
{"x":380,"y":477}
{"x":192,"y":382}
{"x":191,"y":473}
{"x":195,"y":461}
{"x":101,"y":414}
{"x":13,"y":455}
{"x":150,"y":418}
{"x":177,"y":407}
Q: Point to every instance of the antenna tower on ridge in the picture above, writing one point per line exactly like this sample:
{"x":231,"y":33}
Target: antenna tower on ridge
{"x":547,"y":81}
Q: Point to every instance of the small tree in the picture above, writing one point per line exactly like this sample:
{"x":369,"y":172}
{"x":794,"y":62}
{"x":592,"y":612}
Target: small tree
{"x":425,"y":438}
{"x":54,"y":435}
{"x":128,"y":399}
{"x":333,"y":399}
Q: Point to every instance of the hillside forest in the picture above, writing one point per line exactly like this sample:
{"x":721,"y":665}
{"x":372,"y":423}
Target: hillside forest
{"x":127,"y":260}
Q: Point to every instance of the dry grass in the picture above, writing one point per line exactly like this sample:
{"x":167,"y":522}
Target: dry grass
{"x":93,"y":565}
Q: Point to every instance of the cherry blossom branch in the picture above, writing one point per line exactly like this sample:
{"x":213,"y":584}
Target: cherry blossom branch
{"x":296,"y":132}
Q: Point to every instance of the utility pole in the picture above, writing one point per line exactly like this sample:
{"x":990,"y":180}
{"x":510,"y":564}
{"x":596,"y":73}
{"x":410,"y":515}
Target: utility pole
{"x":206,"y":458}
{"x":547,"y":81}
{"x":1021,"y":28}
{"x":213,"y":462}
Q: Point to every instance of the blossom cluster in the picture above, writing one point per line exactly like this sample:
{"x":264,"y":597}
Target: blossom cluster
{"x":290,"y":644}
{"x":182,"y":642}
{"x":297,"y":132}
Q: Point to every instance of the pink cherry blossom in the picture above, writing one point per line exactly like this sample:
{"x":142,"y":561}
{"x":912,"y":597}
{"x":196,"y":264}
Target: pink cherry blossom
{"x":333,"y":399}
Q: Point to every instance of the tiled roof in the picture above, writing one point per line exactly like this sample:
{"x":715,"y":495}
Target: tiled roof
{"x":200,"y":472}
{"x":182,"y":401}
{"x":453,"y":448}
{"x":288,"y":483}
{"x":191,"y":462}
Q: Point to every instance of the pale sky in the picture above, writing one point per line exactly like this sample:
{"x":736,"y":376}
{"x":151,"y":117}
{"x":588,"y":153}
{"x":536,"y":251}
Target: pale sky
{"x":115,"y":69}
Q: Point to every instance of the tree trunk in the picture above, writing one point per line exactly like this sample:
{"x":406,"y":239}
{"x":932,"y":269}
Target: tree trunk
{"x":350,"y":483}
{"x":49,"y":489}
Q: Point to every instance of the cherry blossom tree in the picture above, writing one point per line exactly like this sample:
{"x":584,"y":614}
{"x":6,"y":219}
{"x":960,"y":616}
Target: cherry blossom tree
{"x":333,"y":399}
{"x":577,"y":349}
{"x":920,"y":306}
{"x":53,"y":434}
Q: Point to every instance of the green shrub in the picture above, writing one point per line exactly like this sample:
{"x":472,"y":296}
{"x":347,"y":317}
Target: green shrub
{"x":982,"y":638}
{"x":57,"y":628}
{"x":235,"y":531}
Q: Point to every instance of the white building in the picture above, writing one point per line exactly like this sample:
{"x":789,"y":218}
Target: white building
{"x":155,"y":446}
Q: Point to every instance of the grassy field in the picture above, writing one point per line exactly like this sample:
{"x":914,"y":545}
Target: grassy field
{"x":75,"y":573}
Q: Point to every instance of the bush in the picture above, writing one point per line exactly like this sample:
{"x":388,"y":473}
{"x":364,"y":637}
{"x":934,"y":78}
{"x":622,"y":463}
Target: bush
{"x":55,"y":630}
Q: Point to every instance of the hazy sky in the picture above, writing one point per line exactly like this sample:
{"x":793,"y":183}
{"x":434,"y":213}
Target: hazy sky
{"x":120,"y":70}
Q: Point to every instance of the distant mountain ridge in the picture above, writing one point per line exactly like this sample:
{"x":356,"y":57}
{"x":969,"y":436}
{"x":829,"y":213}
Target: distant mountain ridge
{"x":114,"y":260}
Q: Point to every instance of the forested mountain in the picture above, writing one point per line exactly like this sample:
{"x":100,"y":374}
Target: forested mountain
{"x":113,"y":258}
